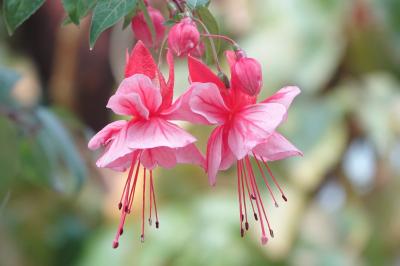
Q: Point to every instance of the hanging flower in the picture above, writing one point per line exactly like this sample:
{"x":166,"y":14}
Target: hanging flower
{"x":244,"y":129}
{"x":183,"y":37}
{"x":247,"y":73}
{"x":148,"y":139}
{"x":142,"y":31}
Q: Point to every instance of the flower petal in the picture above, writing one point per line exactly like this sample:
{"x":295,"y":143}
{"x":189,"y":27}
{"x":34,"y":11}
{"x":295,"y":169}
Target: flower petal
{"x":190,"y":154}
{"x":141,"y":62}
{"x":207,"y":101}
{"x":284,"y":96}
{"x":128,"y":104}
{"x":157,"y":132}
{"x":106,"y":134}
{"x":141,"y":85}
{"x":276,"y":147}
{"x":162,"y":156}
{"x":199,"y":72}
{"x":213,"y":158}
{"x":180,"y":109}
{"x":253,"y":125}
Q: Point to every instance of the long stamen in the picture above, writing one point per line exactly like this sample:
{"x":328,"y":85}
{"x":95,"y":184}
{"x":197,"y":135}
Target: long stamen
{"x":132,"y":194}
{"x":240,"y":200}
{"x":271,"y":232}
{"x":143,"y":203}
{"x":246,"y":224}
{"x":154,"y":198}
{"x":264,"y":238}
{"x":265,"y":180}
{"x":273,"y":179}
{"x":151,"y":202}
{"x":251,"y":197}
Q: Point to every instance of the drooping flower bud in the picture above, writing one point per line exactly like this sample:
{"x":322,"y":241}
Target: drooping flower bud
{"x":142,"y":31}
{"x":199,"y":50}
{"x":183,"y":37}
{"x":248,"y":73}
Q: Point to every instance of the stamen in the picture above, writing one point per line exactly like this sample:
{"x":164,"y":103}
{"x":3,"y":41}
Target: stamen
{"x":143,"y":203}
{"x":248,"y":190}
{"x":246,"y":224}
{"x":151,"y":203}
{"x":274,"y":179}
{"x":132,"y":194}
{"x":265,"y":180}
{"x":128,"y":180}
{"x":154,"y":198}
{"x":240,"y":199}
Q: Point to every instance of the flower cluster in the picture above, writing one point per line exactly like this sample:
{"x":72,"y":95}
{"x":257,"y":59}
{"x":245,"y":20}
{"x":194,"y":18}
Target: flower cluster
{"x":245,"y":129}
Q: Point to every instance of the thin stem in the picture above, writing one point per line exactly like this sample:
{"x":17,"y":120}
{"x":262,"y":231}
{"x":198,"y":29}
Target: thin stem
{"x":161,"y":51}
{"x":223,"y":37}
{"x":213,"y":49}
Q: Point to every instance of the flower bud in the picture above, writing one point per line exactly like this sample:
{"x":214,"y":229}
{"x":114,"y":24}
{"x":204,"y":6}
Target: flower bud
{"x":183,"y":37}
{"x":248,"y":74}
{"x":199,"y":50}
{"x":142,"y":31}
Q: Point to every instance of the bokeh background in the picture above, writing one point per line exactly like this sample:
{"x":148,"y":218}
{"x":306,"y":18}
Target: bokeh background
{"x":56,"y":208}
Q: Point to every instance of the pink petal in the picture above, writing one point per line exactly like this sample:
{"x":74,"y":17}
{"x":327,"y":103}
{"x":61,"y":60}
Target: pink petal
{"x":106,"y":134}
{"x":213,"y":159}
{"x":157,"y":132}
{"x":121,"y":164}
{"x":115,"y":150}
{"x":180,"y":109}
{"x":284,"y":96}
{"x":253,"y":125}
{"x":141,"y":62}
{"x":141,"y":85}
{"x":128,"y":104}
{"x":189,"y":154}
{"x":161,"y":156}
{"x":276,"y":147}
{"x":207,"y":101}
{"x":199,"y":72}
{"x":227,"y":157}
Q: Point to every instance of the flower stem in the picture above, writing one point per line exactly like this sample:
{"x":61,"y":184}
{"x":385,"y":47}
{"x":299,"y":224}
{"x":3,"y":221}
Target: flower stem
{"x":223,"y":37}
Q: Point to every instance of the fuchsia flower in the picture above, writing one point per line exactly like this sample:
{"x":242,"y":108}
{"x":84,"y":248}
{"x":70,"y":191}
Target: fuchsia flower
{"x":142,"y":31}
{"x":247,"y":74}
{"x":149,"y":138}
{"x":183,"y":37}
{"x":244,"y":128}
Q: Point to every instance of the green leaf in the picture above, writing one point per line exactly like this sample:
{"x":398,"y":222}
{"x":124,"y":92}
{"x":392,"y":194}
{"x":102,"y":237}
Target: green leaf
{"x":77,"y":9}
{"x":194,"y":4}
{"x":106,"y":14}
{"x":15,"y":12}
{"x":59,"y":148}
{"x":9,"y":159}
{"x":212,"y":26}
{"x":128,"y":18}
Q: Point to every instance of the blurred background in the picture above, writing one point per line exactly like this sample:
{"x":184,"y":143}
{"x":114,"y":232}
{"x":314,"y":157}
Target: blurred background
{"x":343,"y":206}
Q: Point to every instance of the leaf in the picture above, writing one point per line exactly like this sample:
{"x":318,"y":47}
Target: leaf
{"x":8,"y":78}
{"x":77,"y":9}
{"x":15,"y":12}
{"x":212,"y":26}
{"x":59,"y":147}
{"x":194,"y":4}
{"x":128,"y":19}
{"x":106,"y":14}
{"x":9,"y":159}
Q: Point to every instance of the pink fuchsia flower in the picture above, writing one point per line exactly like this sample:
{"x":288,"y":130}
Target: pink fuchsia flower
{"x":244,"y":129}
{"x":199,"y":50}
{"x":142,"y":31}
{"x":149,"y":138}
{"x":183,"y":37}
{"x":247,"y":74}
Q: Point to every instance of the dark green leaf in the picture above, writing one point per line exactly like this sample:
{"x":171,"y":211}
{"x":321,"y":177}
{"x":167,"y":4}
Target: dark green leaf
{"x":59,"y":148}
{"x":15,"y":12}
{"x":106,"y":14}
{"x":212,"y":26}
{"x":77,"y":9}
{"x":128,"y":18}
{"x":194,"y":4}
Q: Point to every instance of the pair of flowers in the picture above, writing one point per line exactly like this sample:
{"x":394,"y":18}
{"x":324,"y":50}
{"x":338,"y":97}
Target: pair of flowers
{"x":244,"y":129}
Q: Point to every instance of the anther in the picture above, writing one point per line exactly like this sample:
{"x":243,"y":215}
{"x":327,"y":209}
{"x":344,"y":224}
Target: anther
{"x":241,"y":232}
{"x":119,"y":205}
{"x":115,"y":244}
{"x":276,"y":205}
{"x":255,"y":216}
{"x":242,"y":218}
{"x":121,"y":231}
{"x":126,"y":209}
{"x":264,"y":239}
{"x":142,"y":238}
{"x":284,"y":197}
{"x":150,"y":221}
{"x":271,"y":233}
{"x":157,"y":224}
{"x":246,"y":225}
{"x":253,"y":197}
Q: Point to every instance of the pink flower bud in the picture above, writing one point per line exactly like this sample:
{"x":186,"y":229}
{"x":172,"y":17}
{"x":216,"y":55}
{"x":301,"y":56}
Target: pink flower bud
{"x":199,"y":50}
{"x":183,"y":37}
{"x":249,"y":75}
{"x":142,"y":31}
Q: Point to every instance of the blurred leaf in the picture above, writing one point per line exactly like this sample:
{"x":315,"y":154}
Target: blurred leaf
{"x":8,"y":78}
{"x":106,"y":14}
{"x":15,"y":12}
{"x":9,"y":159}
{"x":212,"y":26}
{"x":59,"y":147}
{"x":77,"y":9}
{"x":194,"y":4}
